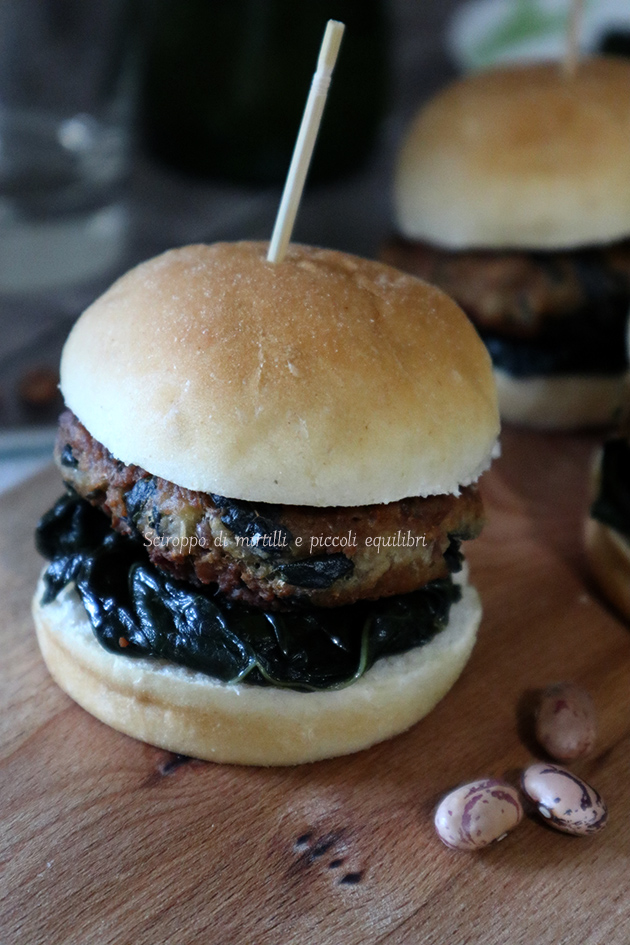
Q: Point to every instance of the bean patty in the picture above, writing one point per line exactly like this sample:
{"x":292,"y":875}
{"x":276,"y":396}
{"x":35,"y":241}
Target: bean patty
{"x":272,"y":556}
{"x":518,"y":293}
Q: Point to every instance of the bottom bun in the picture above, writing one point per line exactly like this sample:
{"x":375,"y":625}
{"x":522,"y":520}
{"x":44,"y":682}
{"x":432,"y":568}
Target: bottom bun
{"x":608,"y":554}
{"x":193,"y":714}
{"x":558,"y":402}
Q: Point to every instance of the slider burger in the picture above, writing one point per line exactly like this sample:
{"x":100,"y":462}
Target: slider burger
{"x":512,"y":193}
{"x":608,"y":527}
{"x":269,"y":471}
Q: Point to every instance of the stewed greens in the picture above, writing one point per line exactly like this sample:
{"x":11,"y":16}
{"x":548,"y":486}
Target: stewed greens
{"x":138,"y":610}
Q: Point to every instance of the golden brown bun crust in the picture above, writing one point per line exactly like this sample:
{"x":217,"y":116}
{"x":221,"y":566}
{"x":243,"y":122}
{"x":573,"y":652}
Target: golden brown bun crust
{"x":321,"y":380}
{"x":187,"y":712}
{"x":559,"y":402}
{"x":521,"y":156}
{"x":608,"y":554}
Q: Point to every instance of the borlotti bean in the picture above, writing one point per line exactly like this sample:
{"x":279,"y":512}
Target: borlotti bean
{"x":564,"y":800}
{"x":565,"y":722}
{"x":477,"y":814}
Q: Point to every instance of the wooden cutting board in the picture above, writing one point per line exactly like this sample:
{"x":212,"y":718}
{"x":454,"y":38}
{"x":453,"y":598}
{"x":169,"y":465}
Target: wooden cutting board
{"x":106,"y":840}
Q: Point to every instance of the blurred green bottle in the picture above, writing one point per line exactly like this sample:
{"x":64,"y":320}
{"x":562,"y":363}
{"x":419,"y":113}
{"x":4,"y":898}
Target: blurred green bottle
{"x":226,"y":82}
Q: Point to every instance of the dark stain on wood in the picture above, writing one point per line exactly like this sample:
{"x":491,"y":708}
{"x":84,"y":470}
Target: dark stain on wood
{"x":324,"y":844}
{"x":173,"y":763}
{"x":351,"y":879}
{"x":310,"y":848}
{"x":303,"y":839}
{"x":168,"y":764}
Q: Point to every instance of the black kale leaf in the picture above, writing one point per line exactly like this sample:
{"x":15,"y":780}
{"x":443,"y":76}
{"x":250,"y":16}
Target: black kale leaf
{"x":138,"y":610}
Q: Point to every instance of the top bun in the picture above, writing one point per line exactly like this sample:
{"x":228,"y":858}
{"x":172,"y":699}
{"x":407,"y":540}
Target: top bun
{"x":521,"y":157}
{"x":321,"y":380}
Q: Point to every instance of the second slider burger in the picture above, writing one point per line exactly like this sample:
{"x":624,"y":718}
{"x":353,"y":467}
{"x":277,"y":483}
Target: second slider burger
{"x":270,"y":469}
{"x":513,"y":194}
{"x":608,"y":525}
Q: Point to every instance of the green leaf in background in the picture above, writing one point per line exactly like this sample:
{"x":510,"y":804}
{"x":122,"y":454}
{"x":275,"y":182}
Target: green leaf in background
{"x":524,"y":20}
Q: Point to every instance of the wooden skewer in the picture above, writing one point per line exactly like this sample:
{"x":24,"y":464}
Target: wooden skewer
{"x":574,"y":29}
{"x":305,"y":143}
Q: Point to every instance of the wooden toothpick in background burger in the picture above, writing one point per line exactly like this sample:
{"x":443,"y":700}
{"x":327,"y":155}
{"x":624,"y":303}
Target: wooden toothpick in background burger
{"x":214,"y":394}
{"x":574,"y":24}
{"x":512,"y":192}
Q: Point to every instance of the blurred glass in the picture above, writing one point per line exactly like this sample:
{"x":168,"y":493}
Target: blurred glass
{"x":67,"y":79}
{"x":226,"y":82}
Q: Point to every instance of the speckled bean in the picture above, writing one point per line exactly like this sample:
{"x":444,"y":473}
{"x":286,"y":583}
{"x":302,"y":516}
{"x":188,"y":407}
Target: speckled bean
{"x":477,"y":814}
{"x":565,"y":722}
{"x":564,"y":800}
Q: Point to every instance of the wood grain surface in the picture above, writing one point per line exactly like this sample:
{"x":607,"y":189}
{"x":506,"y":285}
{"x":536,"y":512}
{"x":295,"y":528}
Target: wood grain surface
{"x":106,"y":840}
